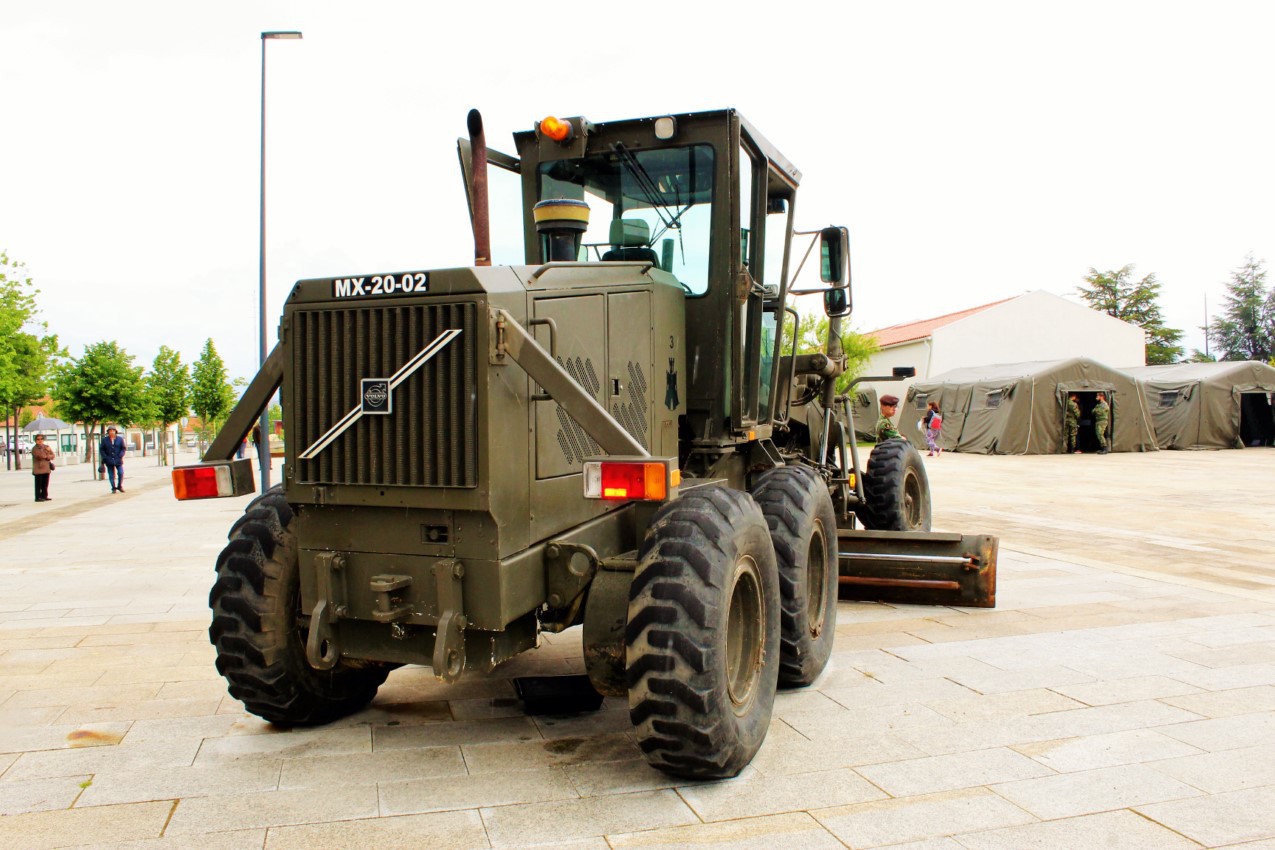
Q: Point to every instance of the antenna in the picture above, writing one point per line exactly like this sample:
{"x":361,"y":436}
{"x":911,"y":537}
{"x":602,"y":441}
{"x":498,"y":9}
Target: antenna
{"x":1206,"y":324}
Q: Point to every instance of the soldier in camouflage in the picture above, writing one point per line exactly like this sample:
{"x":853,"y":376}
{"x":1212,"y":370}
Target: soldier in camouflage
{"x":885,"y":427}
{"x":1101,"y":419}
{"x":1071,"y":423}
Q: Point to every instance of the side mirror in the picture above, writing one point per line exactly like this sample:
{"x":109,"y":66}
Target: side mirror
{"x":836,"y":303}
{"x":904,"y":371}
{"x":834,"y":270}
{"x":831,"y":256}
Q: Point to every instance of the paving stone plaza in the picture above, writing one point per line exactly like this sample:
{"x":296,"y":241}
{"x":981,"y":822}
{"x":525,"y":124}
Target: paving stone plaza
{"x":1121,"y":695}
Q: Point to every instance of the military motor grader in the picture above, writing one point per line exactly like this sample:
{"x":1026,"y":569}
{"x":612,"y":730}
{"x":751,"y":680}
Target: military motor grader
{"x":617,"y":435}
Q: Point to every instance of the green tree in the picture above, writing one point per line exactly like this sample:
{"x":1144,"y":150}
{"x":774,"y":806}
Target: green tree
{"x":1117,"y":294}
{"x":17,"y":309}
{"x":1198,"y":356}
{"x":1246,"y":328}
{"x":211,"y":395}
{"x":168,"y":389}
{"x":812,"y":338}
{"x":102,"y":386}
{"x":25,"y":354}
{"x":32,"y":359}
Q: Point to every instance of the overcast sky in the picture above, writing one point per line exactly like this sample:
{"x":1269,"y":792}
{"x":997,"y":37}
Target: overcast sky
{"x":975,"y":150}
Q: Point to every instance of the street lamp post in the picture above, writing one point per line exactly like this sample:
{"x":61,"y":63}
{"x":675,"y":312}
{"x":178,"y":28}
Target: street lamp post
{"x":263,"y":439}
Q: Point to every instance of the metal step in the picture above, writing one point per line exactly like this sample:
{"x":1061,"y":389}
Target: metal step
{"x":918,"y":568}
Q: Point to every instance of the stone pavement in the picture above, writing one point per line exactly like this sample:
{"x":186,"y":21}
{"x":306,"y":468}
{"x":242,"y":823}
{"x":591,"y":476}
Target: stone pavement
{"x":1121,"y":695}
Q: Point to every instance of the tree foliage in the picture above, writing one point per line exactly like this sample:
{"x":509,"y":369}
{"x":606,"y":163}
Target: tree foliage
{"x":26,"y":353}
{"x":17,"y":312}
{"x":812,"y":337}
{"x":168,"y":390}
{"x":102,"y":386}
{"x":1117,"y":294}
{"x":17,"y":295}
{"x":1246,"y":328}
{"x":32,"y":358}
{"x":211,"y":395}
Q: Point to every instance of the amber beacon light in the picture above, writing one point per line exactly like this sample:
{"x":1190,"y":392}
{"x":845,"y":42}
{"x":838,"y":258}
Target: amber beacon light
{"x":556,"y":129}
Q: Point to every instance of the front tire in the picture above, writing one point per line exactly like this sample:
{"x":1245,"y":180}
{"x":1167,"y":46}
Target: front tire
{"x":260,"y":642}
{"x":702,"y":640}
{"x":897,"y":488}
{"x":803,"y":529}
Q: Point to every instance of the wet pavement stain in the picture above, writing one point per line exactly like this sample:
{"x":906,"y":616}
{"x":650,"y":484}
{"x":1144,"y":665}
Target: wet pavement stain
{"x":563,"y":746}
{"x":89,"y":738}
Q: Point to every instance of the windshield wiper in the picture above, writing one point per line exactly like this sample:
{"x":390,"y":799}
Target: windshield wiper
{"x":647,"y":184}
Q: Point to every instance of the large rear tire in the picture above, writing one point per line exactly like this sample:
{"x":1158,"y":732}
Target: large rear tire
{"x":803,"y":529}
{"x":260,"y":642}
{"x":897,"y":488}
{"x":702,"y":640}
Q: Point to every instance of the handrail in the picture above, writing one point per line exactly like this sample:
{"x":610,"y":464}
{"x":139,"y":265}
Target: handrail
{"x":646,"y":265}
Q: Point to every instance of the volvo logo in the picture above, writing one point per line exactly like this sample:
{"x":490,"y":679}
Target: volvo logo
{"x":376,"y":395}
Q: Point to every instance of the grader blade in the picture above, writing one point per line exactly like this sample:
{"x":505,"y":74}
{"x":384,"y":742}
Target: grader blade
{"x":916,"y":568}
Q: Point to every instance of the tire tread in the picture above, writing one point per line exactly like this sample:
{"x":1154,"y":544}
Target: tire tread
{"x":259,"y":648}
{"x":791,"y":497}
{"x":673,"y":657}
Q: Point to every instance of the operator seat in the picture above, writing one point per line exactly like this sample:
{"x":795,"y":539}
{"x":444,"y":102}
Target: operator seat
{"x":630,"y":240}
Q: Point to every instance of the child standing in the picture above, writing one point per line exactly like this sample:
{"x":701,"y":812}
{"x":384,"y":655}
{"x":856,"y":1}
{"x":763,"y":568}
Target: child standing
{"x":933,"y":425}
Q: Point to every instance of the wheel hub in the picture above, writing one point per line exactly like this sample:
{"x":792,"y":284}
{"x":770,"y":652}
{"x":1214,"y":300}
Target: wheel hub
{"x":745,"y":624}
{"x":912,"y":500}
{"x":816,"y":581}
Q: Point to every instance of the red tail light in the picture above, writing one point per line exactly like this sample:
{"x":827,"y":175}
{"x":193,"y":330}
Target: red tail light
{"x":213,"y":480}
{"x":645,"y":480}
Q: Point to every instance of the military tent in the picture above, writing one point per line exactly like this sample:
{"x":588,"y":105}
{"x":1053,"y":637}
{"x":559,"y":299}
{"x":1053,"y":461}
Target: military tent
{"x":807,"y":410}
{"x":1018,"y":408}
{"x":1223,"y":405}
{"x":866,"y":412}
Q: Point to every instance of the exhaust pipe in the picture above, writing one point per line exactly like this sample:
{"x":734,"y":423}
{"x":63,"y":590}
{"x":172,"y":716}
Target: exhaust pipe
{"x":480,"y":218}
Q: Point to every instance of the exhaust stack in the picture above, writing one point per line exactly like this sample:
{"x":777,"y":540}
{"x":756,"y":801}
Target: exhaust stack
{"x":478,"y":188}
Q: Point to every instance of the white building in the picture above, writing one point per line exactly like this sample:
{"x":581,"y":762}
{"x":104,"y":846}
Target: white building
{"x":1036,"y":326}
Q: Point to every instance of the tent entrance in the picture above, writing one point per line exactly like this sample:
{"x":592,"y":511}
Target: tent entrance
{"x":1086,"y":439}
{"x":1257,"y":422}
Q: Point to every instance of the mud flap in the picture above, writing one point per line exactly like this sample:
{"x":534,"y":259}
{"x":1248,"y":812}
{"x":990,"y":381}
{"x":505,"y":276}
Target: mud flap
{"x":917,"y":568}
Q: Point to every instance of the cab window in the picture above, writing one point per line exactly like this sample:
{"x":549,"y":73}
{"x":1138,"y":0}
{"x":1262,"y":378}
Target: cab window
{"x":654,"y":206}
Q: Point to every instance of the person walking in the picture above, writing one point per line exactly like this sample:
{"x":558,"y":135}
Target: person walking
{"x":1071,"y":424}
{"x":112,"y":454}
{"x":933,"y":425}
{"x":885,"y":427}
{"x":1101,"y":418}
{"x":41,"y":466}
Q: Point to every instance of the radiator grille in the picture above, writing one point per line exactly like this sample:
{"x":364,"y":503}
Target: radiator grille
{"x":430,"y":438}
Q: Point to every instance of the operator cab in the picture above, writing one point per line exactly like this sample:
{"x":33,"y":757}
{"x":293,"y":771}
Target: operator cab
{"x":705,"y":203}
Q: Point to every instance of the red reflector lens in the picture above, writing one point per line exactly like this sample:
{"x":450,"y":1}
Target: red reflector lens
{"x":195,"y":483}
{"x":623,"y":481}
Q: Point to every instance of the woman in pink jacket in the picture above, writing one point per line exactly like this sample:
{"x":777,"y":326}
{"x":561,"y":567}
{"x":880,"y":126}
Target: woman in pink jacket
{"x":41,"y":466}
